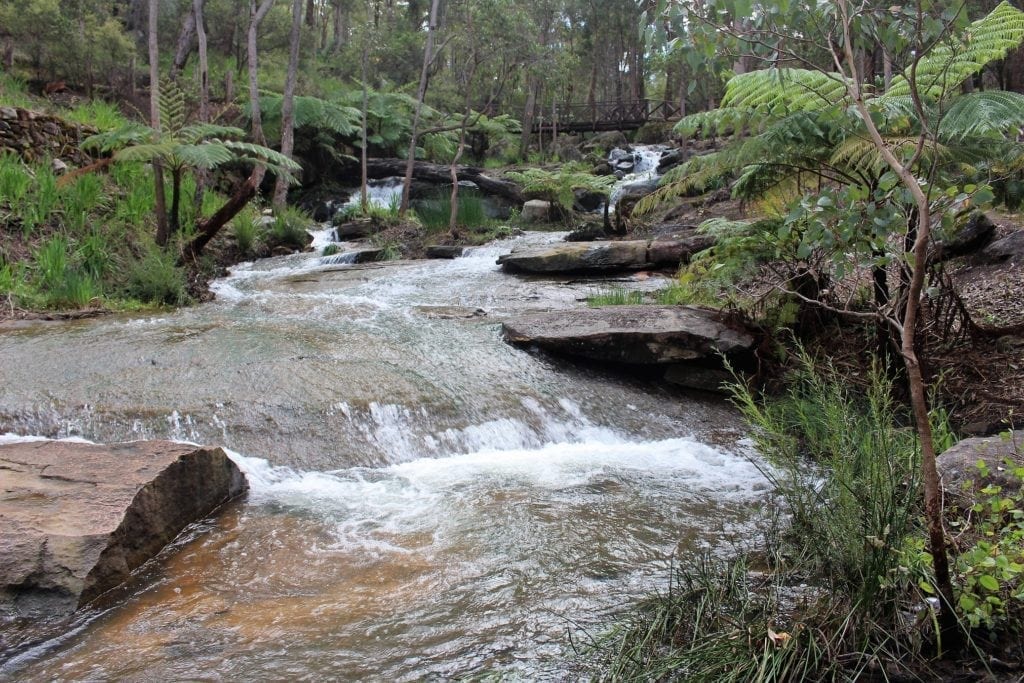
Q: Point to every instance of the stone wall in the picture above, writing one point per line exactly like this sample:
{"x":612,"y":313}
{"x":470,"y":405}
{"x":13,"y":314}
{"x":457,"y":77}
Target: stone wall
{"x":35,"y":136}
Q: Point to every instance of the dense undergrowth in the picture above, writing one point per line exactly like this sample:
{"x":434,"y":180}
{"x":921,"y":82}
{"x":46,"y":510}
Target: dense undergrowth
{"x":840,"y":587}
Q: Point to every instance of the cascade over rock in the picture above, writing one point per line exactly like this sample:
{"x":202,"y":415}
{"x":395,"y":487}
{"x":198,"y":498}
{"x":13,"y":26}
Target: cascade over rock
{"x":76,"y":519}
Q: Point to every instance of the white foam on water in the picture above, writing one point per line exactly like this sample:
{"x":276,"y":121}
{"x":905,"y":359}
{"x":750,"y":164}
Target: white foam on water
{"x":371,"y":508}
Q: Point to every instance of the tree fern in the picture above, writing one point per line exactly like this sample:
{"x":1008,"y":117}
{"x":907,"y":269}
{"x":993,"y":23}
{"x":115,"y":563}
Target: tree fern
{"x":949,"y":64}
{"x":983,"y":114}
{"x":779,"y":92}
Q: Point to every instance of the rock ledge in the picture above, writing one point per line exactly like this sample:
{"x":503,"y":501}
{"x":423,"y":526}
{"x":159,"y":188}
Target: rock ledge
{"x":76,"y":519}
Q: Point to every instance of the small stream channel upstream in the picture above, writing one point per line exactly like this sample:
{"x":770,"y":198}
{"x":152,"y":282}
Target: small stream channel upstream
{"x":427,"y":501}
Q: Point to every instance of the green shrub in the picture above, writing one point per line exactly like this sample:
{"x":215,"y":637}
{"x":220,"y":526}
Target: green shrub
{"x":80,"y":199}
{"x":435,"y":213}
{"x":156,"y":278}
{"x":331,"y":250}
{"x":289,"y":228}
{"x":15,"y":181}
{"x":835,"y":593}
{"x":989,"y":573}
{"x":245,"y":227}
{"x":98,"y":114}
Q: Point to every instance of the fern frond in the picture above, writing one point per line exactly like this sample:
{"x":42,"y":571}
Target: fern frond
{"x":778,"y":92}
{"x":948,"y":65}
{"x":194,"y":133}
{"x":264,"y":155}
{"x":130,"y":134}
{"x":713,"y":122}
{"x":983,"y":114}
{"x":206,"y":155}
{"x":172,"y":107}
{"x":147,"y":152}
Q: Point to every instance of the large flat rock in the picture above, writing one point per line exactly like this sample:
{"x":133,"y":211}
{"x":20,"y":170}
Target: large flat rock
{"x":601,"y":257}
{"x":76,"y":519}
{"x":646,"y":335}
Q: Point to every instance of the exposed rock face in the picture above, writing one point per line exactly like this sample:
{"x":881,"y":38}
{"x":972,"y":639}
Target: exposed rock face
{"x":536,"y":211}
{"x":958,"y":464}
{"x":644,"y":335}
{"x":1010,"y":248}
{"x":35,"y":136}
{"x":76,"y":520}
{"x":972,"y":235}
{"x":598,"y":257}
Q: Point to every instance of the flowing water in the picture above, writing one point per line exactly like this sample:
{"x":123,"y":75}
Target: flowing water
{"x":427,"y":501}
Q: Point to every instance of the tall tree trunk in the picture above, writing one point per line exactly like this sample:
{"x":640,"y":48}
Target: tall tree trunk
{"x":310,"y":13}
{"x":202,"y":176}
{"x":184,"y":45}
{"x":364,"y":200}
{"x":421,"y":93}
{"x":256,"y":16}
{"x":340,"y":25}
{"x":154,"y":121}
{"x":288,"y":102}
{"x":528,"y":115}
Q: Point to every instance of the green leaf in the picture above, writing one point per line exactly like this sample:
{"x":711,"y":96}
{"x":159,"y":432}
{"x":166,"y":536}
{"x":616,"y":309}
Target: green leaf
{"x":988,"y":582}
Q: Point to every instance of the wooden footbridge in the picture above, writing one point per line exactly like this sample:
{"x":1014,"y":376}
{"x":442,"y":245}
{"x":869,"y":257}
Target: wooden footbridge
{"x":602,"y":116}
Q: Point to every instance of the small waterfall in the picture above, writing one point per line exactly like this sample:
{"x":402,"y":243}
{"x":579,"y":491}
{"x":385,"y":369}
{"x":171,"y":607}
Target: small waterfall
{"x":645,"y":160}
{"x":382,"y":194}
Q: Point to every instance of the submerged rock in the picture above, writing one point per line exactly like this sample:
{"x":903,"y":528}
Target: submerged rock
{"x":76,"y":519}
{"x":639,"y":335}
{"x":444,"y":251}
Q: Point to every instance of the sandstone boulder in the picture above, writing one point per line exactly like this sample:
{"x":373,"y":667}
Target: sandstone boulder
{"x":959,"y":464}
{"x":601,"y":257}
{"x":642,"y":335}
{"x":578,"y":257}
{"x":76,"y":519}
{"x":536,"y":211}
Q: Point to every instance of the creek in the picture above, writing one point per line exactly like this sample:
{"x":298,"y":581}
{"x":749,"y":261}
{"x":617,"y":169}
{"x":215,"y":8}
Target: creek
{"x":427,"y":501}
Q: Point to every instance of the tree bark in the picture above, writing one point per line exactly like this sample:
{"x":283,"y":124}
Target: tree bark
{"x":202,"y":176}
{"x":256,"y":16}
{"x":184,"y":45}
{"x":288,"y":102}
{"x":340,"y":25}
{"x":162,"y":233}
{"x":421,"y":93}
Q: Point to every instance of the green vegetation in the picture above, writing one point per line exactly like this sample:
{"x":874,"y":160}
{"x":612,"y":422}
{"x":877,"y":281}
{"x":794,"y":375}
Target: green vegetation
{"x":559,"y":187}
{"x":839,"y":586}
{"x":435,"y":213}
{"x":617,"y":296}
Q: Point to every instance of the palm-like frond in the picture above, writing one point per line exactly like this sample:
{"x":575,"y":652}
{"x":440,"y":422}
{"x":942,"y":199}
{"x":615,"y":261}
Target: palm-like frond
{"x":206,"y":156}
{"x":779,"y":92}
{"x":194,"y":133}
{"x":983,"y":114}
{"x":130,"y":134}
{"x":949,"y":64}
{"x":147,"y":151}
